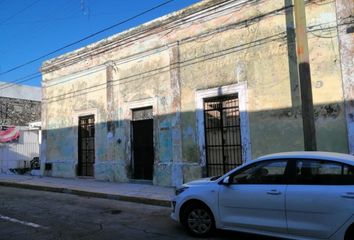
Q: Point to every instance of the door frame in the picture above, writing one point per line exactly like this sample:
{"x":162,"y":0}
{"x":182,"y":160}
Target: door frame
{"x":133,"y":160}
{"x":75,"y":119}
{"x":79,"y":167}
{"x":200,"y":95}
{"x":127,"y":114}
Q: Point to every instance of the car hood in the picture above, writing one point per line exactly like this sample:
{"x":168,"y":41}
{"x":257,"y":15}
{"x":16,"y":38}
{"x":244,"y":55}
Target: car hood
{"x":202,"y":181}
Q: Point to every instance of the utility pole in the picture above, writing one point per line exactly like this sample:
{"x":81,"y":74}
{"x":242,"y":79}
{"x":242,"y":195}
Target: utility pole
{"x":305,"y":76}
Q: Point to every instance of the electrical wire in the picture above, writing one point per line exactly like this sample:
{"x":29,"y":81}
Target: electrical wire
{"x":321,"y":2}
{"x":311,"y":29}
{"x":110,"y":46}
{"x":19,"y":12}
{"x":249,"y":1}
{"x":163,"y":69}
{"x":85,"y":38}
{"x":148,"y":30}
{"x":27,"y":78}
{"x":20,"y":80}
{"x":38,"y":31}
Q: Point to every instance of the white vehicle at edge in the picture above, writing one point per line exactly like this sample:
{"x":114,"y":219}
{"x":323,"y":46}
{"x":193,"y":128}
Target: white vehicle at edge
{"x":296,"y":195}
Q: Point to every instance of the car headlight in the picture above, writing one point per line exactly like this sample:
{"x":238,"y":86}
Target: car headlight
{"x":180,"y":190}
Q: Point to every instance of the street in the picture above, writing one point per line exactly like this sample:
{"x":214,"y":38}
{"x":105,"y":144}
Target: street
{"x":30,"y":214}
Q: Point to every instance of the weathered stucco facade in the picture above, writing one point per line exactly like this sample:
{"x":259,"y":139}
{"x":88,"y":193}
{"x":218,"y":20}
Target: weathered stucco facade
{"x":171,"y":65}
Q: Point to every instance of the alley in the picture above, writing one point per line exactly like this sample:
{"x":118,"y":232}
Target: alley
{"x":29,"y":214}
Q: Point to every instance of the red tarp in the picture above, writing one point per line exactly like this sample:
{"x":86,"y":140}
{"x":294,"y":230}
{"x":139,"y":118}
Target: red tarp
{"x":9,"y":134}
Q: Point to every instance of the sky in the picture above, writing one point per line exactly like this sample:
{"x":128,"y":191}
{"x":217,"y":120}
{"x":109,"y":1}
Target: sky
{"x":30,"y":29}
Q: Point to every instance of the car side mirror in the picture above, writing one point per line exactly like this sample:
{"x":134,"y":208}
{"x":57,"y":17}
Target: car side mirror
{"x":226,"y":181}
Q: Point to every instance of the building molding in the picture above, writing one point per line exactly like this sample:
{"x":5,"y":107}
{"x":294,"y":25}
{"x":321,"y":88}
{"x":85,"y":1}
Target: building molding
{"x":141,"y":104}
{"x":74,"y":76}
{"x":82,"y":113}
{"x":207,"y":9}
{"x":200,"y":95}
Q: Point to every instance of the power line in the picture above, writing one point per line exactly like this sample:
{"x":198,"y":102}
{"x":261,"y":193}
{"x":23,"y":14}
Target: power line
{"x":19,"y":12}
{"x":188,"y":62}
{"x":166,"y":68}
{"x":38,"y":31}
{"x":20,"y":80}
{"x":238,"y":24}
{"x":140,"y":35}
{"x":10,"y":70}
{"x":85,"y":38}
{"x":242,"y":46}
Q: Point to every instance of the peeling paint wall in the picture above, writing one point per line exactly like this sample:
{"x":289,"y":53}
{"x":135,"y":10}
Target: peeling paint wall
{"x":162,"y":65}
{"x":345,"y":13}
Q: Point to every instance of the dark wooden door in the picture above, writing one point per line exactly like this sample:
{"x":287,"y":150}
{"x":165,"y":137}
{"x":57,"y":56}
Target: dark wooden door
{"x":86,"y":146}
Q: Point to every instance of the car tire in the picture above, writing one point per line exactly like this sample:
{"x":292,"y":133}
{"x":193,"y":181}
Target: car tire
{"x":198,"y":220}
{"x":349,"y":235}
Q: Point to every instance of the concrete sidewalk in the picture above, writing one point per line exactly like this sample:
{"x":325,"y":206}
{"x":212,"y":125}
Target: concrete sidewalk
{"x":134,"y":192}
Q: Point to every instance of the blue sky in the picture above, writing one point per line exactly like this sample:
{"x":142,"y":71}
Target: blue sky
{"x":32,"y":28}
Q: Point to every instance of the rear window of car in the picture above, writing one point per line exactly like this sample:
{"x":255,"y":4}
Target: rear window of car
{"x":320,"y":172}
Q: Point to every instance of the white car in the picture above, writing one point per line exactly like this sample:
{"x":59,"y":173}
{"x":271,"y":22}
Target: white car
{"x":296,"y":195}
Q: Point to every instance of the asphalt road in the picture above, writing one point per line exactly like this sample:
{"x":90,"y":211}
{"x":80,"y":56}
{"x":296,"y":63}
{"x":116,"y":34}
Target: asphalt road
{"x":30,"y":214}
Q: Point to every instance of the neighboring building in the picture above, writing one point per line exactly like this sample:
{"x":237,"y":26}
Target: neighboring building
{"x":195,"y":93}
{"x":19,"y":140}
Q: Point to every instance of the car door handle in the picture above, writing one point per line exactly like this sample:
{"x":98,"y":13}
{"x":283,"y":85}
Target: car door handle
{"x":274,"y":192}
{"x":348,"y":195}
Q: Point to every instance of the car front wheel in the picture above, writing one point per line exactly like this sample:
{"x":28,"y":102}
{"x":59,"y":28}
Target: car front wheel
{"x":350,"y":233}
{"x":199,"y":220}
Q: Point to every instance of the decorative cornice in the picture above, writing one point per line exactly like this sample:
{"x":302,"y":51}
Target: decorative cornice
{"x":174,"y":19}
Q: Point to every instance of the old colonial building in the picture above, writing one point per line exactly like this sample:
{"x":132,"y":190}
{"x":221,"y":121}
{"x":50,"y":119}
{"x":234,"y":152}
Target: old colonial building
{"x":197,"y":92}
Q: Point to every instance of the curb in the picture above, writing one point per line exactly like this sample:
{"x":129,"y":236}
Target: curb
{"x":143,"y":200}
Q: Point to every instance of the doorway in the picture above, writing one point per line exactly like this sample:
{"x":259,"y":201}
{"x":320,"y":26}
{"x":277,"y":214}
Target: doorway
{"x":142,"y":144}
{"x":222,"y":134}
{"x":86,"y":142}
